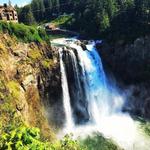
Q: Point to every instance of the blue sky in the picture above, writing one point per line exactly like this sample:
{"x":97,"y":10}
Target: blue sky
{"x":18,"y":2}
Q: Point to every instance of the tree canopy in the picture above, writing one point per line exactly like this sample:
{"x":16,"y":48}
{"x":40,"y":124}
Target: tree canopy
{"x":93,"y":17}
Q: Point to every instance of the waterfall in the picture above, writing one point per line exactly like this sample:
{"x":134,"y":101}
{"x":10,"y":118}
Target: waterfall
{"x":66,"y":98}
{"x":93,"y":79}
{"x":85,"y":92}
{"x":91,"y":103}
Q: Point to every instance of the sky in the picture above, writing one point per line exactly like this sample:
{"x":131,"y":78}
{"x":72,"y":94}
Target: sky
{"x":18,"y":2}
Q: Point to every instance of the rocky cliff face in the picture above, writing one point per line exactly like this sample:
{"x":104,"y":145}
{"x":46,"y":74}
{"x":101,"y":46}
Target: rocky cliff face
{"x":29,"y":84}
{"x":138,"y":100}
{"x":130,"y":63}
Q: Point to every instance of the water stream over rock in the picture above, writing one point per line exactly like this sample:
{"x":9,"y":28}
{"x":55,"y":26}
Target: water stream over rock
{"x":91,"y":103}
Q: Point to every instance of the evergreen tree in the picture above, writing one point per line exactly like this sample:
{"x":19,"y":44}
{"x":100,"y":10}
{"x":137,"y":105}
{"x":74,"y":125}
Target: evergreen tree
{"x":114,"y":18}
{"x":35,"y":6}
{"x":26,"y":15}
{"x":57,"y":7}
{"x":41,"y":10}
{"x":48,"y":8}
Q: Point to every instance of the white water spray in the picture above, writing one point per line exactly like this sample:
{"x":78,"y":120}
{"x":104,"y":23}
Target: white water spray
{"x":66,"y":98}
{"x":104,"y":102}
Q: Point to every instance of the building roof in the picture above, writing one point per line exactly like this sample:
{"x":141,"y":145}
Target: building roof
{"x":9,"y":13}
{"x":7,"y":8}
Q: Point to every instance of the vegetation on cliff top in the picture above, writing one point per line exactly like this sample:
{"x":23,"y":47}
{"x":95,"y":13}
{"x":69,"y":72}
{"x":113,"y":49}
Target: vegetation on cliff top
{"x":23,"y":32}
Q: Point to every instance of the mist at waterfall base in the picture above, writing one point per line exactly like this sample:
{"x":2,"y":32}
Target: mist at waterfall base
{"x":91,"y":102}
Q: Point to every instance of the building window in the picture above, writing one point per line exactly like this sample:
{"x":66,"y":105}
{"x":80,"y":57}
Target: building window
{"x":7,"y":16}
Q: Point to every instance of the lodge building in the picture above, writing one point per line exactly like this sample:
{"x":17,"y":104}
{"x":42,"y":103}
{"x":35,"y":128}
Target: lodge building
{"x":8,"y":13}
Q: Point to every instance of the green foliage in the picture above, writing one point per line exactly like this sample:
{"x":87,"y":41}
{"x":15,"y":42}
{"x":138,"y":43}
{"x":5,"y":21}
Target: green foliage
{"x":97,"y":142}
{"x":47,"y":63}
{"x":61,"y":20}
{"x":24,"y":32}
{"x":35,"y":55}
{"x":44,"y":10}
{"x":51,"y":37}
{"x":38,"y":9}
{"x":26,"y":15}
{"x":109,"y":19}
{"x":147,"y":129}
{"x":145,"y":125}
{"x":14,"y":88}
{"x":25,"y":138}
{"x":43,"y":35}
{"x":67,"y":143}
{"x":22,"y":138}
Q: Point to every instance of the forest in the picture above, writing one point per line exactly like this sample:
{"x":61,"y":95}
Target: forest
{"x":108,"y":19}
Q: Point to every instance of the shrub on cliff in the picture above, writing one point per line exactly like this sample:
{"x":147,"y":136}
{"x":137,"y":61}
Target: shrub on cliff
{"x":98,"y":142}
{"x":22,"y":138}
{"x":147,"y":129}
{"x":145,"y":125}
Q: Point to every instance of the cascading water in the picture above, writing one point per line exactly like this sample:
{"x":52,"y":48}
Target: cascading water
{"x":90,"y":103}
{"x":66,"y":98}
{"x":87,"y":85}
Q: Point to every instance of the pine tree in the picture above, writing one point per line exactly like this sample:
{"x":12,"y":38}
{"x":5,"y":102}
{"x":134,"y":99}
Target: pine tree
{"x":35,"y":8}
{"x":26,"y":15}
{"x":41,"y":9}
{"x":48,"y":8}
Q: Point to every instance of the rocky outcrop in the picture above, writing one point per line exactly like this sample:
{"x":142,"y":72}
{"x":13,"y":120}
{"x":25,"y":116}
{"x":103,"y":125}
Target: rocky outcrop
{"x":129,"y":62}
{"x":29,"y":84}
{"x":138,"y":100}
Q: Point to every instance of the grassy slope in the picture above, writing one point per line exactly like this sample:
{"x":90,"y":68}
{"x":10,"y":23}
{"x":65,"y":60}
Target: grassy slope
{"x":23,"y":32}
{"x":61,"y":20}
